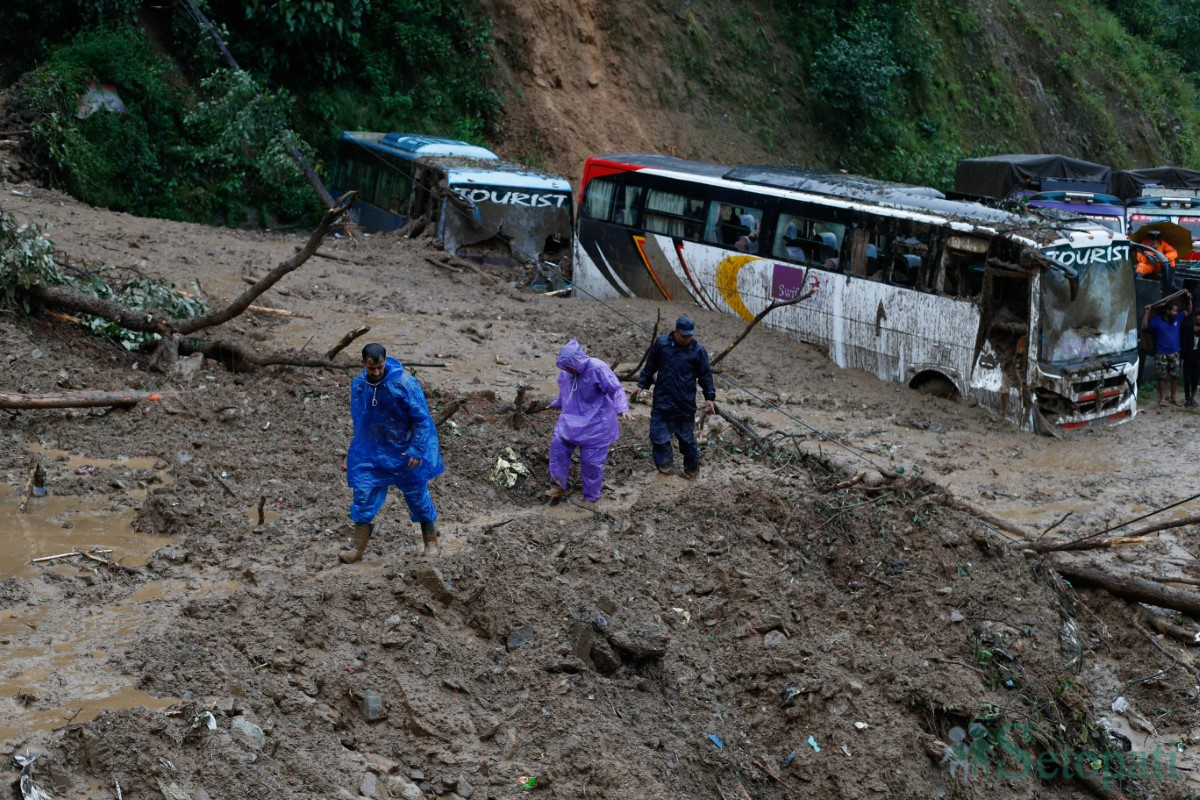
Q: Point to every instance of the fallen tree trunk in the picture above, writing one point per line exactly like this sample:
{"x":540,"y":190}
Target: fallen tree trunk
{"x":1130,"y":587}
{"x":143,"y":321}
{"x":76,"y":400}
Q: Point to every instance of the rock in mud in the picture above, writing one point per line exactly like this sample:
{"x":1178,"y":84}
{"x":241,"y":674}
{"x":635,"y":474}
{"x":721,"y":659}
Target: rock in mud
{"x":640,"y":644}
{"x":250,"y":733}
{"x":372,"y":706}
{"x":604,"y":657}
{"x":401,"y":787}
{"x":369,"y":785}
{"x":464,"y":789}
{"x":432,"y":581}
{"x":774,"y":639}
{"x":379,"y":764}
{"x":519,"y":636}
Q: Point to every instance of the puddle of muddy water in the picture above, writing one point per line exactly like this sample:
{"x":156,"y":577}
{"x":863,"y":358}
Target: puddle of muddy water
{"x":54,"y":524}
{"x":55,"y":666}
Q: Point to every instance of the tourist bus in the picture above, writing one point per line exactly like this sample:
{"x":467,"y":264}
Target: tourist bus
{"x":1069,"y":185}
{"x":1034,"y":320}
{"x":480,"y":207}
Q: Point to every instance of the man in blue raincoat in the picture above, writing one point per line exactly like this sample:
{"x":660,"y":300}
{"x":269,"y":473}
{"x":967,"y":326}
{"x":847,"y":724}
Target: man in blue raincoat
{"x":677,"y":362}
{"x":591,"y":400}
{"x":395,"y":444}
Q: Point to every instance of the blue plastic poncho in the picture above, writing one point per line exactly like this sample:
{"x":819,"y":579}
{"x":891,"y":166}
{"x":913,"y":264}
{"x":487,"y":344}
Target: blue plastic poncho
{"x":391,"y":423}
{"x":590,"y":400}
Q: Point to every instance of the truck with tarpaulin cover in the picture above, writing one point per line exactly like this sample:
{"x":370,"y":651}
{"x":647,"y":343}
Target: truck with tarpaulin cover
{"x":481,"y":208}
{"x":1071,"y":185}
{"x":1165,"y":200}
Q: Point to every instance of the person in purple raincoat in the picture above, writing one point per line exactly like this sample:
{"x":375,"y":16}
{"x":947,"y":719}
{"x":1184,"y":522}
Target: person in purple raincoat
{"x":591,"y":400}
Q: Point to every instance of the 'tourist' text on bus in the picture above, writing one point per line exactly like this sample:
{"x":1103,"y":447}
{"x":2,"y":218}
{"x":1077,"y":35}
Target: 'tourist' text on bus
{"x":1033,"y":320}
{"x":482,"y":208}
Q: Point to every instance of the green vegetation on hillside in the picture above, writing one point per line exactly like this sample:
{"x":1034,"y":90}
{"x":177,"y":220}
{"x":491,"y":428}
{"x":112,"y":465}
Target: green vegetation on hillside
{"x":899,"y":90}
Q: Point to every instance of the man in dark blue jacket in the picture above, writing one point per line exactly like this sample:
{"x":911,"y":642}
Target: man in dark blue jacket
{"x":677,"y":362}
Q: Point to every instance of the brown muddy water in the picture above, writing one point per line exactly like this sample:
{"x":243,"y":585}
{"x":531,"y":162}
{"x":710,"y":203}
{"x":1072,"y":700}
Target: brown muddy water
{"x":54,"y":668}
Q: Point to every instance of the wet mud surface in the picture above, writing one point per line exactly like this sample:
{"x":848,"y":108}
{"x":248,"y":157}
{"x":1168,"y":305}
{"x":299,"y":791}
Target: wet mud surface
{"x":684,"y":639}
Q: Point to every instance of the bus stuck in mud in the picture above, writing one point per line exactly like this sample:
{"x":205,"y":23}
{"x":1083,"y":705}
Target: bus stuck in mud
{"x":483,"y":209}
{"x":1033,"y":319}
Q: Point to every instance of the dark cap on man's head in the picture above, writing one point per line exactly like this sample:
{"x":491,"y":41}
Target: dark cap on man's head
{"x":685,"y":326}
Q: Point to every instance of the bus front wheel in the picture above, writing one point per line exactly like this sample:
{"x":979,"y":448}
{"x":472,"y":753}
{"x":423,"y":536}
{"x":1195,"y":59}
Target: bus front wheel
{"x":936,"y":385}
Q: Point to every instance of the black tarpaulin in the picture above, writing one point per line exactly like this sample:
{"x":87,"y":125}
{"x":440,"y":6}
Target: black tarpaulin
{"x":1128,"y":183}
{"x":998,"y":177}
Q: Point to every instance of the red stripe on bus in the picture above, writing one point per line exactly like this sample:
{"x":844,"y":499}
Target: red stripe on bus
{"x":699,"y":293}
{"x":640,"y":241}
{"x":598,"y":168}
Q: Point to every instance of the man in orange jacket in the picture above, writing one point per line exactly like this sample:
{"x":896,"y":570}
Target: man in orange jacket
{"x":1148,"y":267}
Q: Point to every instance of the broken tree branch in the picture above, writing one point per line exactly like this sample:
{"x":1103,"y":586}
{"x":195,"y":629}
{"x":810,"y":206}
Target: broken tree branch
{"x":1092,"y":543}
{"x":759,"y":318}
{"x":76,"y":400}
{"x":247,"y":297}
{"x":448,"y":411}
{"x":1168,"y":628}
{"x":35,"y":465}
{"x":518,"y":417}
{"x":345,"y":341}
{"x":1129,"y":587}
{"x":631,"y":374}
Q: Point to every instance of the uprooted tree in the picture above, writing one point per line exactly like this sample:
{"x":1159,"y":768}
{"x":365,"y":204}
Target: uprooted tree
{"x":31,"y":278}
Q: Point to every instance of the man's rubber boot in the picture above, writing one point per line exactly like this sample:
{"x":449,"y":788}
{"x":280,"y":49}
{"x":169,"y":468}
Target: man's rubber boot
{"x":430,"y":537}
{"x":362,"y":536}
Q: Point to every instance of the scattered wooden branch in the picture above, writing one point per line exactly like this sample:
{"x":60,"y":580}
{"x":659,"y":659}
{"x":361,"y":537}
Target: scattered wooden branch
{"x":224,"y":485}
{"x":332,"y":257}
{"x":1129,"y":587}
{"x":1093,"y":543}
{"x":91,"y":399}
{"x":742,"y":426}
{"x":35,"y":466}
{"x":759,"y":318}
{"x":442,"y":265}
{"x":277,"y":312}
{"x":1026,"y":536}
{"x":773,"y":776}
{"x":518,"y":416}
{"x":1167,"y":627}
{"x":345,"y":341}
{"x":95,"y":554}
{"x":632,"y":374}
{"x":262,"y":502}
{"x":448,"y":411}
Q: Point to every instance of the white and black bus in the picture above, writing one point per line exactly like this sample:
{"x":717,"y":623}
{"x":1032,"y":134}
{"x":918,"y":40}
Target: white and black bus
{"x":482,"y":208}
{"x":1033,"y":318}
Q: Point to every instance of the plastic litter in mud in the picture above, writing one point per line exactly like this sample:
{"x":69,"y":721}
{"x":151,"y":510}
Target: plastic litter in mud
{"x":527,"y":782}
{"x":717,"y":741}
{"x":811,"y":742}
{"x":790,"y":758}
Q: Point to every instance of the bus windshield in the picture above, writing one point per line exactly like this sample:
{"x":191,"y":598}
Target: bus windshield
{"x":1101,"y":320}
{"x":1114,"y":224}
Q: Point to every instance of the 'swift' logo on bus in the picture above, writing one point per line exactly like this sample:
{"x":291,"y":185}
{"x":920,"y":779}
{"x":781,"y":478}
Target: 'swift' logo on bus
{"x":1071,"y":257}
{"x":510,"y":198}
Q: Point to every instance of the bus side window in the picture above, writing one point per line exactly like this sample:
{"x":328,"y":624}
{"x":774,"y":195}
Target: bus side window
{"x":628,"y":204}
{"x":734,"y":226}
{"x":809,"y":241}
{"x":598,"y":200}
